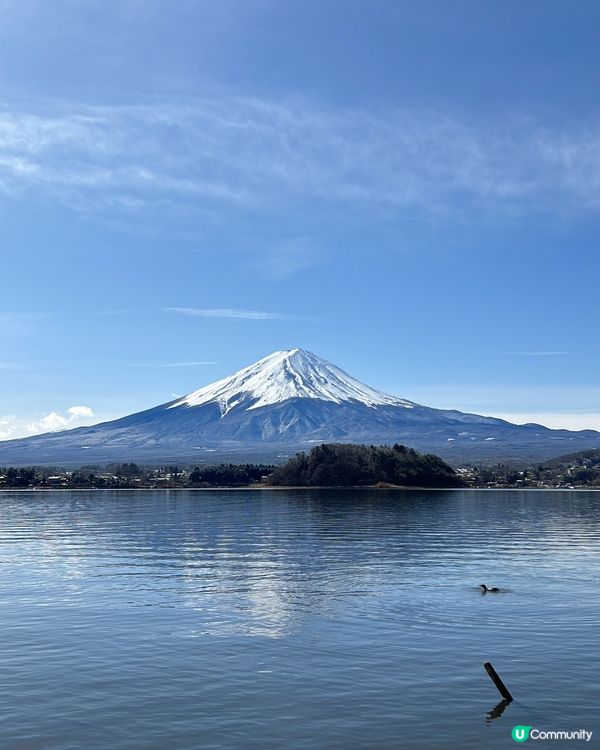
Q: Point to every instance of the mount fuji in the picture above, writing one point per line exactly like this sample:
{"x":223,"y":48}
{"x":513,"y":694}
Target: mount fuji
{"x":286,"y":402}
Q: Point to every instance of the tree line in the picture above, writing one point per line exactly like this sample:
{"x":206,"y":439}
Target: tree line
{"x":131,"y":475}
{"x":326,"y":465}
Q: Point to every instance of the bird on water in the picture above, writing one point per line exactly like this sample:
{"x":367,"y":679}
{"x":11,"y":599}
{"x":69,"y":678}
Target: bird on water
{"x":486,"y":590}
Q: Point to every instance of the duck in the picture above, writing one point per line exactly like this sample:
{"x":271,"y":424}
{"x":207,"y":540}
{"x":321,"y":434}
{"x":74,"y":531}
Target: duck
{"x":486,"y":590}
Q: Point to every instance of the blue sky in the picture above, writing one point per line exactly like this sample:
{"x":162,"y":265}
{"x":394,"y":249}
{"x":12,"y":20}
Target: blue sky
{"x":410,"y":190}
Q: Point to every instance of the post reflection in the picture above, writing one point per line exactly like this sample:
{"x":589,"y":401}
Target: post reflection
{"x":497,"y":711}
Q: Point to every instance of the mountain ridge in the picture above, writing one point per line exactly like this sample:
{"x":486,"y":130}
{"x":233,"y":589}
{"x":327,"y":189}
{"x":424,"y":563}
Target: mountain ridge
{"x":289,"y":401}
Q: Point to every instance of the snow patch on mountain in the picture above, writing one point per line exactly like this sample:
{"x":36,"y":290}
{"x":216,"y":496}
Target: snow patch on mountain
{"x":292,"y":373}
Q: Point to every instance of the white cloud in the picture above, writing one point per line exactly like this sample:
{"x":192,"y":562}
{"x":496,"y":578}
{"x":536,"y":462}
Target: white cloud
{"x":12,"y":427}
{"x":80,"y":411}
{"x":226,"y":312}
{"x":7,"y":427}
{"x":258,"y":153}
{"x":51,"y":422}
{"x":54,"y":421}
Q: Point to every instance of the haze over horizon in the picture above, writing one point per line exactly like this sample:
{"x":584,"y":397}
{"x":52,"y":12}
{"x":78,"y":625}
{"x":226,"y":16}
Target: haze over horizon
{"x":411,"y":192}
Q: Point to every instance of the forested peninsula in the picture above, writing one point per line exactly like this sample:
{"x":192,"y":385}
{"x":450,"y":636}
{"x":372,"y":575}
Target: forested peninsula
{"x":337,"y":465}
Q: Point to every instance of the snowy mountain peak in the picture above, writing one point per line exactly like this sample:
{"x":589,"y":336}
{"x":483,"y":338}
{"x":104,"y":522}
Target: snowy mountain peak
{"x":291,"y":373}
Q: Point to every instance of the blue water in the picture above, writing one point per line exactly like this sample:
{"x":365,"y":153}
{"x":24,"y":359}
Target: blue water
{"x":289,"y":619}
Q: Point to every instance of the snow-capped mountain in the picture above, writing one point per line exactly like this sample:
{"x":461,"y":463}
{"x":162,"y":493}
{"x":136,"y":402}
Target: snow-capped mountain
{"x":293,"y":373}
{"x":285,"y":402}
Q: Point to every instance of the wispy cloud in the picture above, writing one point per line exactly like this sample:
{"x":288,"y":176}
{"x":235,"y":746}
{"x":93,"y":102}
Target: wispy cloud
{"x":227,"y":312}
{"x":257,"y":154}
{"x":123,"y":311}
{"x":232,"y":313}
{"x":291,"y":257}
{"x":535,"y":354}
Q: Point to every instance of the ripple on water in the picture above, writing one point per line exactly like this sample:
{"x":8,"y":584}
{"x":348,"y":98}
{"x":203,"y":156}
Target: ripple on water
{"x":294,"y":619}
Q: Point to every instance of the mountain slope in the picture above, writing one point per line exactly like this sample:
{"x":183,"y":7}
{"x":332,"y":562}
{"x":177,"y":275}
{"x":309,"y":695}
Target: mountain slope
{"x":284,"y":402}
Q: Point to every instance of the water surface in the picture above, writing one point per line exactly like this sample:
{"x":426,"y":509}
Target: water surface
{"x":292,"y":619}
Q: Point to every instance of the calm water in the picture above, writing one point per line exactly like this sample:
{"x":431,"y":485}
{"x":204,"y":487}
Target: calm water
{"x":242,"y":620}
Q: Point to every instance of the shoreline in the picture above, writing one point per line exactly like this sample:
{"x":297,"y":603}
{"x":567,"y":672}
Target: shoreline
{"x":255,"y":488}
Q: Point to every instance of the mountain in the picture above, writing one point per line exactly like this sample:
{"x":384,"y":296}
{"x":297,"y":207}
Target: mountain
{"x":288,"y":401}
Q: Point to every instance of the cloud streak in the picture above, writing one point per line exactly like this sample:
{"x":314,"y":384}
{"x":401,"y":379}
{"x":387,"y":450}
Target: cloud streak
{"x":535,"y":354}
{"x":170,"y":364}
{"x":256,"y":154}
{"x":232,"y":313}
{"x":227,"y":312}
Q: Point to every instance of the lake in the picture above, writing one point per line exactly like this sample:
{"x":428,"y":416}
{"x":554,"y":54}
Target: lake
{"x":234,"y":620}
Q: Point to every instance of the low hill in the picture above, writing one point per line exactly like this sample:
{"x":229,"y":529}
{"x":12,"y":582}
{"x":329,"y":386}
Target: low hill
{"x":574,"y":470}
{"x":337,"y":465}
{"x":581,"y":468}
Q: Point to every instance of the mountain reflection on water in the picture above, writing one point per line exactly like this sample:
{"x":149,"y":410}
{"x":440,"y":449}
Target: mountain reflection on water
{"x":247,"y":619}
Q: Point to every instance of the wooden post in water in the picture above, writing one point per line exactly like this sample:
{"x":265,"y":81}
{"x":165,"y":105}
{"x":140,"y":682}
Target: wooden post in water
{"x":504,"y":692}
